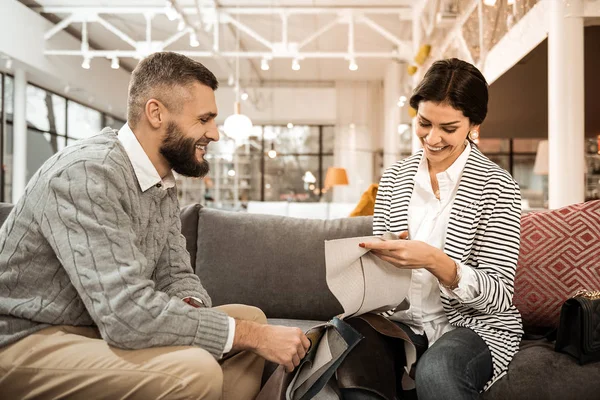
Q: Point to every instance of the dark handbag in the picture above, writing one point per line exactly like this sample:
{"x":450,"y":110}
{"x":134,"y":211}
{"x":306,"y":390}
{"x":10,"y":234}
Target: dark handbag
{"x":579,"y":328}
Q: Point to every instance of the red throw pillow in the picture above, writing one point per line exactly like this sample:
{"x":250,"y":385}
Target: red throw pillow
{"x":560,"y":254}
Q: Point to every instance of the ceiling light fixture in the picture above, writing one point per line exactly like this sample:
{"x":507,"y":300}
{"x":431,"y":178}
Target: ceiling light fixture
{"x":114,"y":64}
{"x":403,"y":128}
{"x":290,"y":125}
{"x":264,"y":64}
{"x":490,"y":3}
{"x":237,"y":126}
{"x":272,"y":153}
{"x":86,"y":63}
{"x":296,"y":65}
{"x":194,"y":39}
{"x":244,"y":96}
{"x":353,"y":66}
{"x":170,"y":11}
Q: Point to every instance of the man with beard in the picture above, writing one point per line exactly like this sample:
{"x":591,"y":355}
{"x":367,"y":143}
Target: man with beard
{"x":97,"y":295}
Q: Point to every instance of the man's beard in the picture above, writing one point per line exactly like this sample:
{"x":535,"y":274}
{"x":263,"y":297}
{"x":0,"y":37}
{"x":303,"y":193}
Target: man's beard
{"x":180,"y":153}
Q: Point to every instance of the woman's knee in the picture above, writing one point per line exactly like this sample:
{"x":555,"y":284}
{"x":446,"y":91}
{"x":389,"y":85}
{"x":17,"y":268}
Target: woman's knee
{"x":434,"y":367}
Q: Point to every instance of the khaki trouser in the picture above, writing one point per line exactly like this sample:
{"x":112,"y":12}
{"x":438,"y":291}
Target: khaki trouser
{"x":75,"y":363}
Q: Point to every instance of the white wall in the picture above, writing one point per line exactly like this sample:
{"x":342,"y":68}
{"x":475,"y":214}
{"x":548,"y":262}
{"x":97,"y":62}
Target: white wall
{"x":392,"y":90}
{"x":358,"y":134}
{"x":22,"y":38}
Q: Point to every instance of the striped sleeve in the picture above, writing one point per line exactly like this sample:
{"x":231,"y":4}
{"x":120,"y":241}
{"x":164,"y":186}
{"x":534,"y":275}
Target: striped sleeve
{"x":499,"y":252}
{"x":382,"y":203}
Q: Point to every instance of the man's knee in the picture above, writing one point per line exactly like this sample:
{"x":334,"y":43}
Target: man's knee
{"x":244,"y":312}
{"x":257,"y":315}
{"x":202,"y":377}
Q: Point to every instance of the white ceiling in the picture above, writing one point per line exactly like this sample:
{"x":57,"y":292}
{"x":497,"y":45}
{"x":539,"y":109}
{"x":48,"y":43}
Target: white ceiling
{"x":269,"y":26}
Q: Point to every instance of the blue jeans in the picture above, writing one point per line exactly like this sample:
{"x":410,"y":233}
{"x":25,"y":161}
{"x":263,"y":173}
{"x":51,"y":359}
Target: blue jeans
{"x":456,"y":367}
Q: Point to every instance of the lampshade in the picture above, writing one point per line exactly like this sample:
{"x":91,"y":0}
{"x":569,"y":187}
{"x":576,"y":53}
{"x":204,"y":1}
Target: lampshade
{"x":335,"y":176}
{"x":238,"y":126}
{"x":541,"y":159}
{"x":423,"y":53}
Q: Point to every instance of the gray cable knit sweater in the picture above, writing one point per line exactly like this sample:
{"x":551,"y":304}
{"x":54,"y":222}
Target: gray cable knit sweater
{"x":85,"y":246}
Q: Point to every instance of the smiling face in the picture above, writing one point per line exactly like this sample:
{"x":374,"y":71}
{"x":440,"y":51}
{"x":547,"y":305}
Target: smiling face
{"x":442,"y":131}
{"x":190,"y":130}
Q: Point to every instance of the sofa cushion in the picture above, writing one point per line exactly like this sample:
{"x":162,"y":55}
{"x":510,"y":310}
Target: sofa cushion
{"x":272,"y":262}
{"x":559,"y":255}
{"x":537,"y":372}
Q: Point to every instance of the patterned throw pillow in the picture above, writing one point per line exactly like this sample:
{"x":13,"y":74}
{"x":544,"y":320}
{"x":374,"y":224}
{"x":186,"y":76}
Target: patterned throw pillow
{"x":560,"y":254}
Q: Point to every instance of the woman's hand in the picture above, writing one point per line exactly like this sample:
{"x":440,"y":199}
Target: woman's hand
{"x":414,"y":254}
{"x":404,"y":253}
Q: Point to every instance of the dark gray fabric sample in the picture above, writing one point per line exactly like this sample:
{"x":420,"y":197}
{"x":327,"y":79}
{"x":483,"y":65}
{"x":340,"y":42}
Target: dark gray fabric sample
{"x":272,"y":262}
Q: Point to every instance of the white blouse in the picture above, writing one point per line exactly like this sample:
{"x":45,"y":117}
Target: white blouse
{"x":428,"y":220}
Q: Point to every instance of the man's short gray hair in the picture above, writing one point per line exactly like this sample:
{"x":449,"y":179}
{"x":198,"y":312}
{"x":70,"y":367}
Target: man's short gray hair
{"x":159,"y":76}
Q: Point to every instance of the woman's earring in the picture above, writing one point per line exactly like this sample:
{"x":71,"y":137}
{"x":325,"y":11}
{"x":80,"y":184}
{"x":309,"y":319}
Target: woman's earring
{"x":473,"y":135}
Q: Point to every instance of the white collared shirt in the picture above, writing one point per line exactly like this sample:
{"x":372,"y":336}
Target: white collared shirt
{"x":428,"y":220}
{"x":146,"y":173}
{"x":147,"y":177}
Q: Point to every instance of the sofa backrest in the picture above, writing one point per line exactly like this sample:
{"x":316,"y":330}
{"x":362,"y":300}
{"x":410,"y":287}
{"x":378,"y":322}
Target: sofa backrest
{"x":273,"y":262}
{"x":5,"y":209}
{"x":560,"y":254}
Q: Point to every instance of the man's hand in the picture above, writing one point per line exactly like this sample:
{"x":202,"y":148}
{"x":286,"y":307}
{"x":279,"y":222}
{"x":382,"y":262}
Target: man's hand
{"x":280,"y":344}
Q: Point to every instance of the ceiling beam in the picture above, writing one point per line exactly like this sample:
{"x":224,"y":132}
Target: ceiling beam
{"x":403,"y":11}
{"x":215,"y":17}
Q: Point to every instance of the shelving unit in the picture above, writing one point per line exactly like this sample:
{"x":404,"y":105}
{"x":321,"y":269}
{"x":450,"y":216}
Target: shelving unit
{"x":219,"y":189}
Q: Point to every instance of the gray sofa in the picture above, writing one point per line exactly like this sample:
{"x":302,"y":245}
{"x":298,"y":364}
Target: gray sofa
{"x":277,"y":264}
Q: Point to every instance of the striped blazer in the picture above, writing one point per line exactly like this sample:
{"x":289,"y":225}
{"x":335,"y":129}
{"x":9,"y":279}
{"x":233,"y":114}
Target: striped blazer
{"x":483,"y":233}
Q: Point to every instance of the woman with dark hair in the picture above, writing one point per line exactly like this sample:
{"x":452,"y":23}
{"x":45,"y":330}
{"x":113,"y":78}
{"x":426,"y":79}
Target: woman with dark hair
{"x":458,"y":218}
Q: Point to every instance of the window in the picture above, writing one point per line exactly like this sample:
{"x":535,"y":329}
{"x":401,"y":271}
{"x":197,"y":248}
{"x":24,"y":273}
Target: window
{"x":83,"y":121}
{"x":6,"y":103}
{"x":46,"y":111}
{"x":53,"y":122}
{"x":40,"y":147}
{"x":113,"y":122}
{"x":277,"y":163}
{"x":517,"y":156}
{"x":286,"y":178}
